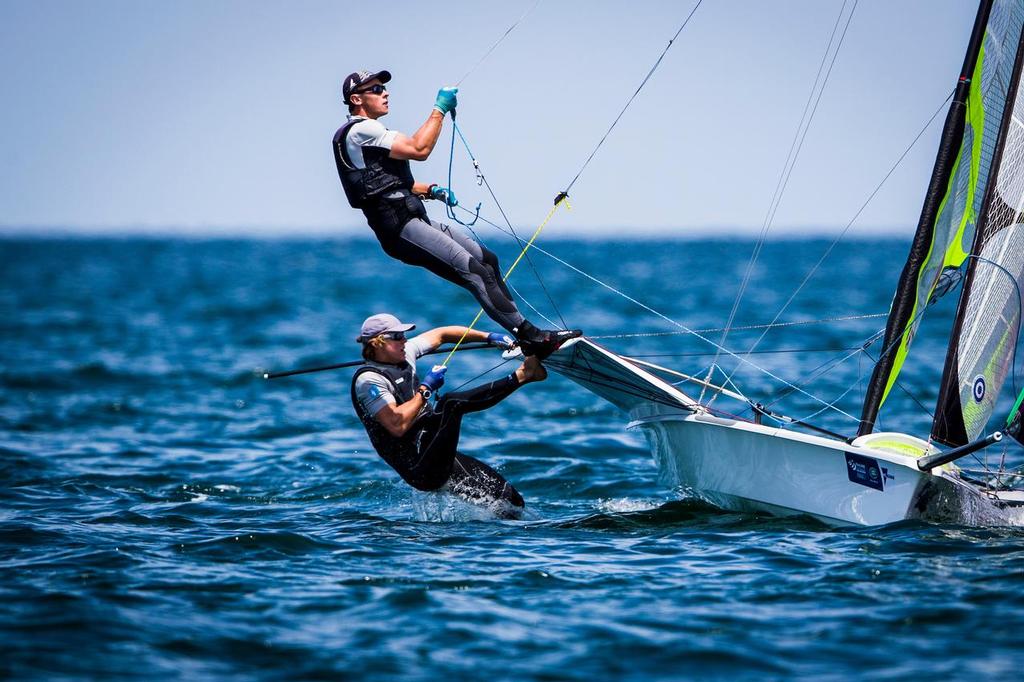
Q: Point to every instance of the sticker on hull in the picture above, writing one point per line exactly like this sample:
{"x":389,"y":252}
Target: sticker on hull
{"x":864,"y":471}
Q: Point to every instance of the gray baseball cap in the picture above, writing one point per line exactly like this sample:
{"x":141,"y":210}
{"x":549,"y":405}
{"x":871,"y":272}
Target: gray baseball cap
{"x":380,"y":323}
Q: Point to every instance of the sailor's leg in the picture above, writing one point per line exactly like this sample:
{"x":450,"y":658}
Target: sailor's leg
{"x":437,"y":439}
{"x":478,"y":483}
{"x":534,"y":341}
{"x":479,"y":251}
{"x":479,"y":397}
{"x":429,"y":245}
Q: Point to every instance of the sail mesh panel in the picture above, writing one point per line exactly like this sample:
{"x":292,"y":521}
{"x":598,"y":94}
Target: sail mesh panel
{"x":991,"y":325}
{"x":991,"y":318}
{"x":987,"y":323}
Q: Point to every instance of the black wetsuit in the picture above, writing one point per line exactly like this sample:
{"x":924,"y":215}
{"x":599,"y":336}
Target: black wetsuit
{"x":427,"y":456}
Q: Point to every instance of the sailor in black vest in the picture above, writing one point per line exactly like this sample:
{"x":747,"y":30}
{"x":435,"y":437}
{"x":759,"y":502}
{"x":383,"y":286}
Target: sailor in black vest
{"x":373,"y":164}
{"x":419,"y":439}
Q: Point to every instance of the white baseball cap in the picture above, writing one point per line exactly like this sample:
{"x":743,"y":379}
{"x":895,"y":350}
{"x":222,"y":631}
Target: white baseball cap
{"x":378,"y":324}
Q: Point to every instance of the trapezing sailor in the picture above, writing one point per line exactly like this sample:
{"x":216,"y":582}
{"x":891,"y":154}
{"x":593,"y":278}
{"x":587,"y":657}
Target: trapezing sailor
{"x":420,"y":440}
{"x":373,"y":164}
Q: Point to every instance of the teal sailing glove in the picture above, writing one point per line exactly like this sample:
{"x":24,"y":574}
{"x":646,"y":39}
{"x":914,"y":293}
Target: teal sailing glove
{"x":443,"y":194}
{"x":501,"y":340}
{"x":446,"y":100}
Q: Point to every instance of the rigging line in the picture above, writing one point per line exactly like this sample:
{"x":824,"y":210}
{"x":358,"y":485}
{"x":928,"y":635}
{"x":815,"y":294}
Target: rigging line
{"x":592,"y":375}
{"x":683,"y":378}
{"x":654,"y":312}
{"x":688,"y":332}
{"x":529,"y":260}
{"x":522,"y":298}
{"x":482,"y":374}
{"x":904,"y":389}
{"x":794,"y":153}
{"x":747,"y":327}
{"x":562,"y":199}
{"x":611,"y":381}
{"x":482,"y":178}
{"x":793,"y":145}
{"x":496,"y":43}
{"x":632,"y":97}
{"x":989,"y":472}
{"x":852,"y":220}
{"x":814,"y":110}
{"x":449,"y":211}
{"x":790,"y":158}
{"x":827,"y":366}
{"x":834,"y":401}
{"x":776,"y":351}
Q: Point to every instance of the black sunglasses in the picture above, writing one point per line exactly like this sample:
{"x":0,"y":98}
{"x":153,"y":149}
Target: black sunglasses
{"x":377,"y":89}
{"x":394,"y":336}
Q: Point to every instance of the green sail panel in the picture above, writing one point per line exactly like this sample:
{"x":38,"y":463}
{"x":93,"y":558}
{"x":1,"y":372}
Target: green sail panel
{"x":1015,"y":422}
{"x":947,"y":227}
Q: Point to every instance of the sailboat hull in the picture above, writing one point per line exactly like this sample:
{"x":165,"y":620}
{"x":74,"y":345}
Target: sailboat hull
{"x":743,"y":466}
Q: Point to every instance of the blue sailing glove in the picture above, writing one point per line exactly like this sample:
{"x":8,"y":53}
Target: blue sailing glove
{"x":435,"y":379}
{"x":446,"y":100}
{"x":503,"y":341}
{"x":443,"y":194}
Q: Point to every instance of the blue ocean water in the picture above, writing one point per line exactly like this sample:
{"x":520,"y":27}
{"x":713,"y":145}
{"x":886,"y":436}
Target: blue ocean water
{"x":168,"y":513}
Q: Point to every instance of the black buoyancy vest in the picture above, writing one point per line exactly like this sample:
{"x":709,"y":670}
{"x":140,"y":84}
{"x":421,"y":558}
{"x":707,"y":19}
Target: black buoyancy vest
{"x":398,"y":451}
{"x":364,"y":187}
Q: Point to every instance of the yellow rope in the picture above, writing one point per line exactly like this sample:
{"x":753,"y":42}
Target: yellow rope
{"x":563,"y":199}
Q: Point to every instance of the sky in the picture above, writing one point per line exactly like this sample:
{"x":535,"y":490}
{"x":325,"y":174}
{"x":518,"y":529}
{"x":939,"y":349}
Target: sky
{"x":215,"y":117}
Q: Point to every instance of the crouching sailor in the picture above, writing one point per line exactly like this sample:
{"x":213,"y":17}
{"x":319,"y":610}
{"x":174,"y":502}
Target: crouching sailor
{"x":420,"y":440}
{"x":373,"y":164}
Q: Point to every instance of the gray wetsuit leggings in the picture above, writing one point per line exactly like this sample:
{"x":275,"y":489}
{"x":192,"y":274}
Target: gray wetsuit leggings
{"x":454,"y":255}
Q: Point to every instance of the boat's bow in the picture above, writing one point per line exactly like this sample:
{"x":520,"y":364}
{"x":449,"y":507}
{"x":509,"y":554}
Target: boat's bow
{"x":621,"y":382}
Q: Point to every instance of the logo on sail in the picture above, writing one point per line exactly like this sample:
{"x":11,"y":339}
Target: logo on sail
{"x":979,"y":389}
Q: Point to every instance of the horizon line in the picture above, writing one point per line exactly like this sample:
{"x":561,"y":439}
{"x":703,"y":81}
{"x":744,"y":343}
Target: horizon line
{"x":347,"y":232}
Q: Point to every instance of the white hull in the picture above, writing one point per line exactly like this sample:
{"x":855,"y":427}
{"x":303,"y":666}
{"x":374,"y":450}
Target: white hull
{"x":743,"y":466}
{"x":747,"y":467}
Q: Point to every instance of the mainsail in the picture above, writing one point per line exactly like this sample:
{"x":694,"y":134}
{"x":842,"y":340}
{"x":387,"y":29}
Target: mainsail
{"x":987,"y":326}
{"x":947,"y":226}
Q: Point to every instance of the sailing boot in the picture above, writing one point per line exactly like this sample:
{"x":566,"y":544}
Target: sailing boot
{"x":542,"y":342}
